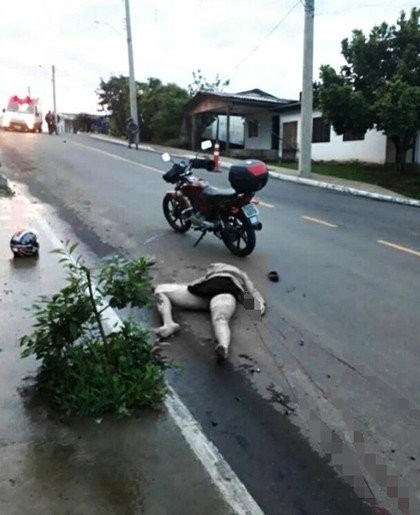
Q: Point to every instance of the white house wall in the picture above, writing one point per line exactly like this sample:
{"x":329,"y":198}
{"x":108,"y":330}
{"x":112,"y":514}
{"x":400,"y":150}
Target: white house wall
{"x":370,"y":150}
{"x":263,"y":140}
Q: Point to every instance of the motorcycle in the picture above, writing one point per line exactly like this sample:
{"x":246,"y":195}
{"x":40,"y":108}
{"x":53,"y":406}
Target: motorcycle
{"x":229,"y":213}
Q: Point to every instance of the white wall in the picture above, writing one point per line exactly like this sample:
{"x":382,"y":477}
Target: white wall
{"x":371,"y":150}
{"x":263,"y":141}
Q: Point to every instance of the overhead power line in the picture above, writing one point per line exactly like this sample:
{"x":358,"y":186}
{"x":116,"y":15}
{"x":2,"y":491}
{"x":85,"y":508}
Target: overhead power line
{"x":263,"y":40}
{"x":357,"y":7}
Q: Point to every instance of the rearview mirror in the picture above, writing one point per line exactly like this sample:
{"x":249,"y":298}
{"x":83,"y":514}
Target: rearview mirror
{"x":166,"y":157}
{"x":206,"y":144}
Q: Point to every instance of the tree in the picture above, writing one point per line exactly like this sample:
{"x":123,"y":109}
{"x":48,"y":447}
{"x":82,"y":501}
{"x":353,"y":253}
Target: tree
{"x":380,"y":84}
{"x":159,"y":107}
{"x":114,"y":98}
{"x":200,"y":83}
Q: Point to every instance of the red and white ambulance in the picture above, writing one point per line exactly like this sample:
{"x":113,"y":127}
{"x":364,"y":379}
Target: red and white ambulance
{"x":23,"y":114}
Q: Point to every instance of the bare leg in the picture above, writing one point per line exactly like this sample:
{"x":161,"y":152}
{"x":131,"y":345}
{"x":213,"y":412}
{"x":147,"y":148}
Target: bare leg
{"x":178,"y":295}
{"x":222,"y":308}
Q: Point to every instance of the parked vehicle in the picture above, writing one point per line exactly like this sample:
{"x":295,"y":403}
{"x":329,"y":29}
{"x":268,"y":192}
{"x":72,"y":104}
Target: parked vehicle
{"x":22,"y":114}
{"x":230,"y":214}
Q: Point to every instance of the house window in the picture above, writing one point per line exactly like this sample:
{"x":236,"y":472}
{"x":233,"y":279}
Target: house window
{"x":320,"y":130}
{"x":252,"y":129}
{"x":353,"y":136}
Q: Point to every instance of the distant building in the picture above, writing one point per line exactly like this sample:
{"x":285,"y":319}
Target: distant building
{"x":83,"y":122}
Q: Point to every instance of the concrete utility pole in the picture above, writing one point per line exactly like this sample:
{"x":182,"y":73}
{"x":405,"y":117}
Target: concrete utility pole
{"x":131,"y":80}
{"x":307,"y":92}
{"x":53,"y":86}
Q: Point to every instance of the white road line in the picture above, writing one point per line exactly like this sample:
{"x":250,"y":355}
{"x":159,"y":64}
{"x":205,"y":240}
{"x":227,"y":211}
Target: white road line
{"x":222,"y":476}
{"x":228,"y":484}
{"x":119,"y":158}
{"x":316,"y":220}
{"x":399,"y":247}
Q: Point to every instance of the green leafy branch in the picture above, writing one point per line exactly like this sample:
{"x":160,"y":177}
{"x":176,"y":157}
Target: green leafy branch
{"x":84,"y":368}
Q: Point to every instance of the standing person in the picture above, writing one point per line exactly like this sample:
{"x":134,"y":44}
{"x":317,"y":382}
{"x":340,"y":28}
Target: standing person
{"x":218,"y":291}
{"x":132,"y":132}
{"x":50,"y":119}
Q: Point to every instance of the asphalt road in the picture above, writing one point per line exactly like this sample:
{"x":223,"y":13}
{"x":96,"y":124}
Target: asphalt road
{"x":332,"y":370}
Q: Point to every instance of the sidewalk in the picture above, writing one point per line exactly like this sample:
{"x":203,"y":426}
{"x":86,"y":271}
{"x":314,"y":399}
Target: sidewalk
{"x":156,"y":463}
{"x":276,"y":172}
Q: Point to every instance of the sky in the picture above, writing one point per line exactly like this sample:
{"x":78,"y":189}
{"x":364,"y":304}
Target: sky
{"x":253,"y":43}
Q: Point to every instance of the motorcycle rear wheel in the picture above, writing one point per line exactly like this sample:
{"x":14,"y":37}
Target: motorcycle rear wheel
{"x":172,"y":209}
{"x":239,"y":235}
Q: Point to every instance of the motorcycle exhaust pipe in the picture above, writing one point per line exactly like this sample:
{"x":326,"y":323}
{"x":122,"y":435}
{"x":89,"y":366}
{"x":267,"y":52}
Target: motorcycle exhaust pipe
{"x":257,"y":226}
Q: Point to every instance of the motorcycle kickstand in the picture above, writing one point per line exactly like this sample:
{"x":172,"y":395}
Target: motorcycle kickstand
{"x":200,"y":238}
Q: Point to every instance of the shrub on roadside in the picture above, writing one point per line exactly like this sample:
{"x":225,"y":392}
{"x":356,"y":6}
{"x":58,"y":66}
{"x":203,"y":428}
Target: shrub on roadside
{"x":84,"y":368}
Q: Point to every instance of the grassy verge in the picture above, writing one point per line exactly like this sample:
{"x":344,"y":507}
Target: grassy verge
{"x":407,"y":183}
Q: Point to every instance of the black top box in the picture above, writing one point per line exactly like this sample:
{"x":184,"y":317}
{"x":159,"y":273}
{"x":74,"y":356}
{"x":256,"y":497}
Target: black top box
{"x":248,"y":176}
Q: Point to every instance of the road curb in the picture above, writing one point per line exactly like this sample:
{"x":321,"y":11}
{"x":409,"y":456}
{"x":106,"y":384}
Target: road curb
{"x":345,"y":189}
{"x":122,"y":142}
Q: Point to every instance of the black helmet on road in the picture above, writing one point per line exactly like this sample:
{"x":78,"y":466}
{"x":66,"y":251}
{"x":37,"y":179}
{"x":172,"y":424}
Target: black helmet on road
{"x":24,"y":243}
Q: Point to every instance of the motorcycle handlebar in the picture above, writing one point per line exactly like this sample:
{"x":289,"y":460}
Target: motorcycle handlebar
{"x":207,"y":164}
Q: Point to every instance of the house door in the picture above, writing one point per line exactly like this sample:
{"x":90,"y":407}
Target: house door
{"x":289,"y":142}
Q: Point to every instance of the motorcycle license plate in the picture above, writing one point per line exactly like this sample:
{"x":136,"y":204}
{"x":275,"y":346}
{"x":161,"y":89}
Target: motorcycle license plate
{"x":250,"y":211}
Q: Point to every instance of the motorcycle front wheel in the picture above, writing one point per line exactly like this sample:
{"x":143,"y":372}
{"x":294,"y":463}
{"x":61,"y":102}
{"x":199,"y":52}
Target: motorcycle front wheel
{"x":172,"y":209}
{"x":238,"y":235}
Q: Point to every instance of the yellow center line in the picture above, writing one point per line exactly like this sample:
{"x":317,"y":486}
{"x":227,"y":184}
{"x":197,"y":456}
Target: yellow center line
{"x":265,"y":204}
{"x":317,"y":221}
{"x":399,"y":247}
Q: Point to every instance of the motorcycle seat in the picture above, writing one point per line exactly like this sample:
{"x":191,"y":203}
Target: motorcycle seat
{"x":212,"y":194}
